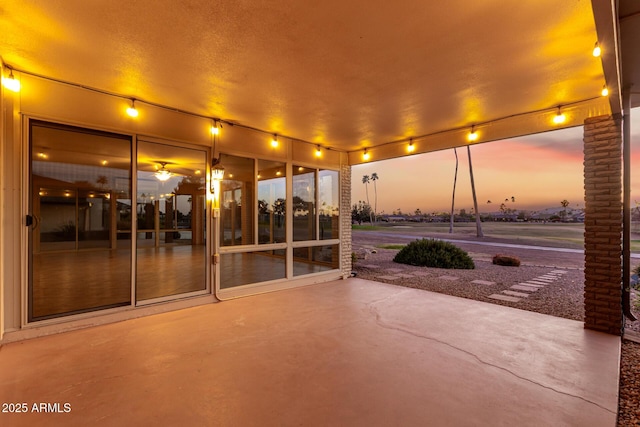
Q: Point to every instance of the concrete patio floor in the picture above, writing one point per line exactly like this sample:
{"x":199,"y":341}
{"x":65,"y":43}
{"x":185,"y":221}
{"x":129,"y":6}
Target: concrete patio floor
{"x":350,"y":353}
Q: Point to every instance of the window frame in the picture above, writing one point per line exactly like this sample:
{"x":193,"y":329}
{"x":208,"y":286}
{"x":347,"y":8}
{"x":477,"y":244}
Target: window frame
{"x":290,"y":280}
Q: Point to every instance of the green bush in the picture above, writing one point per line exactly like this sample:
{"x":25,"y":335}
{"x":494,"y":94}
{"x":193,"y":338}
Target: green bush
{"x":635,"y":281}
{"x":434,"y":253}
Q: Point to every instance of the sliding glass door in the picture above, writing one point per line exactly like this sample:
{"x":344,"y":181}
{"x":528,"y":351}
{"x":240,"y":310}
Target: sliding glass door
{"x":80,"y":220}
{"x":171,"y":220}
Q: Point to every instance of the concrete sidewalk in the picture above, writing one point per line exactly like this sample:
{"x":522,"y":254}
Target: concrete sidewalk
{"x":351,"y":353}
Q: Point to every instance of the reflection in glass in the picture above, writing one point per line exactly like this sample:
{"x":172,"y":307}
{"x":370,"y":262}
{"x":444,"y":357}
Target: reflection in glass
{"x":237,"y":201}
{"x":304,"y":194}
{"x":57,"y":228}
{"x":171,"y":219}
{"x":315,"y":259}
{"x":239,"y":269}
{"x":80,"y":242}
{"x":271,"y":202}
{"x":329,"y":204}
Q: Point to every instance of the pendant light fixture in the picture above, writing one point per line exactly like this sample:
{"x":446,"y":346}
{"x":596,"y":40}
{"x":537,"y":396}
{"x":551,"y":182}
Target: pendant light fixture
{"x":132,"y":111}
{"x":559,"y":118}
{"x":163,"y":174}
{"x":596,"y":50}
{"x":473,"y":135}
{"x":10,"y":82}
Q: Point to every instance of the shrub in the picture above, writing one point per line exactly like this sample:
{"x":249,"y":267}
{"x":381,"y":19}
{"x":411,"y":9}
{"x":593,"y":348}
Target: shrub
{"x":434,"y":253}
{"x":510,"y":261}
{"x":635,"y":280}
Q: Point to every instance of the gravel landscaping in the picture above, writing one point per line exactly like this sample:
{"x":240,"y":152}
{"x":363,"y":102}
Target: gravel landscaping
{"x":562,"y":294}
{"x":562,"y":299}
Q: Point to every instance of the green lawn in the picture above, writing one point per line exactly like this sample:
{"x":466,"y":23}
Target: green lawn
{"x":367,"y":227}
{"x":391,"y":246}
{"x":567,"y":235}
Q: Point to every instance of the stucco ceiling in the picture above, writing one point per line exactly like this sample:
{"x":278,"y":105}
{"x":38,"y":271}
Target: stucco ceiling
{"x":346,"y":74}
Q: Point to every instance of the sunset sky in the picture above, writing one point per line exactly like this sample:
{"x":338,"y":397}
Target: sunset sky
{"x":538,"y":170}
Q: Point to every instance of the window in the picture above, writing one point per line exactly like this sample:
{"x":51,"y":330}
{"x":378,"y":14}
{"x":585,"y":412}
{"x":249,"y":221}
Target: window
{"x":315,"y":259}
{"x":271,"y":202}
{"x":237,"y":201}
{"x":313,"y":188}
{"x":304,"y":196}
{"x":329,"y":204}
{"x":256,"y":211}
{"x":245,"y":268}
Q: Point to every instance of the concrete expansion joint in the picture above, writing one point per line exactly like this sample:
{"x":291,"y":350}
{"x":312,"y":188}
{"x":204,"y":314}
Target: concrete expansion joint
{"x":382,"y":324}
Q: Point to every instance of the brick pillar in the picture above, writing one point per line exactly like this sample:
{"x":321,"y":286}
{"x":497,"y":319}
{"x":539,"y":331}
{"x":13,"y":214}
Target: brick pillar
{"x":603,"y":224}
{"x":345,"y":219}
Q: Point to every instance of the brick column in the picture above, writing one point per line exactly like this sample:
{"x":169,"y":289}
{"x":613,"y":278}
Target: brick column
{"x":345,"y":219}
{"x":603,"y":224}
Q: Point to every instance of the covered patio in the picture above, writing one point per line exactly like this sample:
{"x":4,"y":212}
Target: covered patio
{"x":303,"y":91}
{"x":351,"y":352}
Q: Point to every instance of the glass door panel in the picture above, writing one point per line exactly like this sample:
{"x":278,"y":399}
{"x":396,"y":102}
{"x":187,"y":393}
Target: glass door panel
{"x":271,"y":202}
{"x":96,"y":227}
{"x":80,"y":192}
{"x":237,"y":201}
{"x":57,"y":215}
{"x":304,"y":195}
{"x":171,"y":218}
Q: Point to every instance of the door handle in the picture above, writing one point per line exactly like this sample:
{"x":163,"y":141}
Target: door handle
{"x":32,"y":221}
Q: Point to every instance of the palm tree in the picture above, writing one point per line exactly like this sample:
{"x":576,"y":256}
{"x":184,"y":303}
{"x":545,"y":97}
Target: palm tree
{"x":475,"y":199}
{"x":374,"y":178}
{"x":365,"y":181}
{"x":453,"y":196}
{"x":564,"y":204}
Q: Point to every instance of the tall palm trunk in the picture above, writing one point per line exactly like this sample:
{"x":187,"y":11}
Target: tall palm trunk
{"x":375,"y":201}
{"x":365,"y":181}
{"x":453,"y":197}
{"x":374,"y":178}
{"x":475,"y":199}
{"x":366,"y":187}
